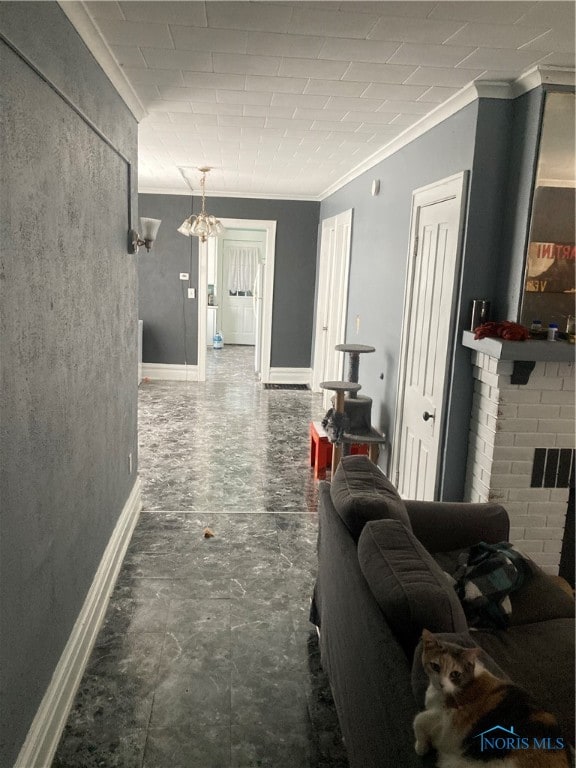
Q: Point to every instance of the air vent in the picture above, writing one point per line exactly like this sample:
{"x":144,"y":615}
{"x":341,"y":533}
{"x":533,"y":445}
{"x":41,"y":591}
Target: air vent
{"x":553,"y":468}
{"x":286,"y":386}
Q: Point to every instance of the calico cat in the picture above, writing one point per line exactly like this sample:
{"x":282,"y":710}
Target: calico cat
{"x":476,"y":720}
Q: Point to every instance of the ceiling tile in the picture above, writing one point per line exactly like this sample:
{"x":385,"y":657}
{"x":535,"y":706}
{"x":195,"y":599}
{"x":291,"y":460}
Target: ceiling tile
{"x":414,"y":30}
{"x":405,"y":107}
{"x":405,"y":121}
{"x":357,"y":50}
{"x":154,"y":76}
{"x":496,"y":11}
{"x":390,"y":8}
{"x":437,"y":94}
{"x":557,"y":40}
{"x":168,"y":106}
{"x":559,"y":59}
{"x":377,"y":118}
{"x":256,"y":111}
{"x":161,"y":58}
{"x":248,"y":65}
{"x":398,"y":92}
{"x":277,"y":84}
{"x":366,"y":105}
{"x":320,"y":114}
{"x":298,"y":100}
{"x":241,"y":121}
{"x":205,"y":108}
{"x":335,"y":88}
{"x":542,"y":13}
{"x":220,"y":40}
{"x":321,"y":125}
{"x":276,"y":122}
{"x":243,"y":97}
{"x":378,"y":73}
{"x":128,"y":57}
{"x":226,"y":82}
{"x":167,"y":12}
{"x":185,"y":119}
{"x":105,"y":10}
{"x":430,"y":55}
{"x":306,"y":21}
{"x":171,"y":93}
{"x":495,"y":35}
{"x":299,"y":46}
{"x":498,"y":58}
{"x":261,"y":17}
{"x":146,"y":93}
{"x":313,"y":68}
{"x":117,"y":32}
{"x":456,"y":78}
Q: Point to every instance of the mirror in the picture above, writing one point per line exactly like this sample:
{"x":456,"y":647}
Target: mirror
{"x":550,"y":286}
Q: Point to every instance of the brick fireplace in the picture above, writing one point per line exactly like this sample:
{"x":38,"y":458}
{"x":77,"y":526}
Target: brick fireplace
{"x":521,"y":440}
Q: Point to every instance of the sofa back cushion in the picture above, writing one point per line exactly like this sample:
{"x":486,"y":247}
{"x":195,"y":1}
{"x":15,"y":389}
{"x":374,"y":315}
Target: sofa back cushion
{"x":409,"y":586}
{"x":360,"y":492}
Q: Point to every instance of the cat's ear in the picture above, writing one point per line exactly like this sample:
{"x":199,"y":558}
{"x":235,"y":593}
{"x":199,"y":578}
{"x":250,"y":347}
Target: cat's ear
{"x":429,"y":640}
{"x":470,"y":655}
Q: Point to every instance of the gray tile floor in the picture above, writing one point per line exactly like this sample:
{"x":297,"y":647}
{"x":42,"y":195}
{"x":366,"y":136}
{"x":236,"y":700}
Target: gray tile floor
{"x":206,"y":658}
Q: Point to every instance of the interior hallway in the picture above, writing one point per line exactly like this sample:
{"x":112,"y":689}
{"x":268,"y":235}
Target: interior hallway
{"x":206,"y":658}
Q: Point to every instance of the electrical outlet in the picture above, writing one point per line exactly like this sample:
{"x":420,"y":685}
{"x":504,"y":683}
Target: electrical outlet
{"x":191,"y":293}
{"x":184,"y":276}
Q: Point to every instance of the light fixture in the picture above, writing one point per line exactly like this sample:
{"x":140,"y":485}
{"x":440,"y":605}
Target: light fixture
{"x":149,"y":229}
{"x":203,"y":225}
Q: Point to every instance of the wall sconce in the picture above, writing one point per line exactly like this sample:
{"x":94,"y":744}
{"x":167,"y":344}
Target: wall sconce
{"x":149,"y":228}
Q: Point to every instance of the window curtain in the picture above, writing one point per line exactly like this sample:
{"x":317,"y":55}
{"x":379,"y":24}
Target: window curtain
{"x":242,"y":267}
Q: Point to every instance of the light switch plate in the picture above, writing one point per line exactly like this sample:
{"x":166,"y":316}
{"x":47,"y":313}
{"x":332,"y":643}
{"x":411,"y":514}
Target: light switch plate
{"x":184,"y":275}
{"x":191,"y":293}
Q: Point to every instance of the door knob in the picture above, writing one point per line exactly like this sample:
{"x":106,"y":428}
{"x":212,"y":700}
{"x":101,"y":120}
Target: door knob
{"x":426,"y":415}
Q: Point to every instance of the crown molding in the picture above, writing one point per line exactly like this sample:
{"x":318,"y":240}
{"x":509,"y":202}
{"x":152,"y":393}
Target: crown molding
{"x":541,"y":75}
{"x":146,"y":190}
{"x":83,"y":23}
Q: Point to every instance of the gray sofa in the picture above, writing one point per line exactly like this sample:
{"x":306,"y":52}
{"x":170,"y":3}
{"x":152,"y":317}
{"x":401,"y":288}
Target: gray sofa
{"x":378,"y":585}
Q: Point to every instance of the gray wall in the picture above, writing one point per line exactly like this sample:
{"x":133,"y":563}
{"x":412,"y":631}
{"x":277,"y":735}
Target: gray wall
{"x":294,"y":276}
{"x":476,"y":140}
{"x":68,"y":325}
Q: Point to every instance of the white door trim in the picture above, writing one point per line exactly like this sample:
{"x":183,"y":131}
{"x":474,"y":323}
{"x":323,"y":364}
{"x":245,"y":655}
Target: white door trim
{"x":332,"y":293}
{"x":269,"y":227}
{"x":451,"y":187}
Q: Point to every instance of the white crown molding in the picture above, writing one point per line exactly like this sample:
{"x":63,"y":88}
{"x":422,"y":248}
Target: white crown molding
{"x":44,"y":734}
{"x":81,"y":20}
{"x":146,"y":190}
{"x":542,"y":75}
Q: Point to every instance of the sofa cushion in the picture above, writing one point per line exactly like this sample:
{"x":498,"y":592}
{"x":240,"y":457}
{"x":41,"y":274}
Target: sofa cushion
{"x":410,"y":588}
{"x":360,"y":492}
{"x":537,"y":599}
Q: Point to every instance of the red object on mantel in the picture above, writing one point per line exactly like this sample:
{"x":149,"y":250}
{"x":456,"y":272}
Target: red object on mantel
{"x":505,"y":329}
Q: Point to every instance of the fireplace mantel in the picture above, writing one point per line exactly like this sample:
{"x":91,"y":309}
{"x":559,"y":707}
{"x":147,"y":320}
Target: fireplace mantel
{"x":530,"y":350}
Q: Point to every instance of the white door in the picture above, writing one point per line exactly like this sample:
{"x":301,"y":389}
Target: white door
{"x":427,"y":335}
{"x":240,"y":263}
{"x":332,"y":300}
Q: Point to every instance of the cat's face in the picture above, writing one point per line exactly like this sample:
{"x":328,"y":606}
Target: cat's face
{"x":449,"y":667}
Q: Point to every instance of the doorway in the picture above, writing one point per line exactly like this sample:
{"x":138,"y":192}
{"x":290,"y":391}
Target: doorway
{"x":236,"y":282}
{"x":428,"y":330}
{"x":332,"y":300}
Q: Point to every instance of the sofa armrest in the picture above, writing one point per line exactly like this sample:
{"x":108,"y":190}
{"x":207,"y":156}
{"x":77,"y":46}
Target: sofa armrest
{"x":443,"y":526}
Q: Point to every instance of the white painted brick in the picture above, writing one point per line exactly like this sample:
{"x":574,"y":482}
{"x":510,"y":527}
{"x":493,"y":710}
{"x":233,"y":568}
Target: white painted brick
{"x":513,"y":453}
{"x":538,"y":411}
{"x":557,"y":518}
{"x":561,"y":397}
{"x":515,"y":509}
{"x":548,"y":561}
{"x":555,"y":426}
{"x":535,"y":440}
{"x":520,"y":395}
{"x":483,"y":405}
{"x":566,"y":441}
{"x":566,"y":370}
{"x":498,"y":495}
{"x":568,"y":412}
{"x":504,"y":367}
{"x":544,"y":382}
{"x":546,"y":534}
{"x":531,"y":546}
{"x":516,"y":533}
{"x":521,"y":468}
{"x":551,"y":369}
{"x":502,"y":467}
{"x":504,"y":438}
{"x":529,"y":494}
{"x":491,"y":422}
{"x":530,"y":521}
{"x":553,"y":546}
{"x":487,"y":377}
{"x":567,"y":384}
{"x":559,"y":494}
{"x":510,"y":481}
{"x":485,"y":433}
{"x":477,"y":358}
{"x":507,"y":411}
{"x":484,"y":390}
{"x":484,"y":462}
{"x":519,"y":425}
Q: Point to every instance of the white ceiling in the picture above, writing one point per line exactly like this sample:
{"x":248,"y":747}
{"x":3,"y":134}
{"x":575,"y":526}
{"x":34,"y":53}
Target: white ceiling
{"x":286,"y":99}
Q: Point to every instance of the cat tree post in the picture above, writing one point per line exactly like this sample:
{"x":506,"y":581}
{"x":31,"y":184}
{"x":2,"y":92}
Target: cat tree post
{"x":340,"y":388}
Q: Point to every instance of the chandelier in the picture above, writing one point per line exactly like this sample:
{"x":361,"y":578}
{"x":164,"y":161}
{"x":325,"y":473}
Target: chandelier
{"x":203,"y":225}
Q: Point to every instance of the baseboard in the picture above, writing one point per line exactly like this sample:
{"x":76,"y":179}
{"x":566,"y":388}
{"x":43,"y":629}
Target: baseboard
{"x":169,"y":372}
{"x":44,"y":734}
{"x":289,"y":376}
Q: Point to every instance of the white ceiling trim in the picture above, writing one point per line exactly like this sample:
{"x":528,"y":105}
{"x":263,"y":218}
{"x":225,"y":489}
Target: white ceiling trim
{"x":145,"y":190}
{"x":82,"y":21}
{"x":542,"y":75}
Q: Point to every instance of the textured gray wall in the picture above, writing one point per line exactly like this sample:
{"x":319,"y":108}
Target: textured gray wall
{"x":476,"y":139}
{"x":294,"y":277}
{"x":68,"y":326}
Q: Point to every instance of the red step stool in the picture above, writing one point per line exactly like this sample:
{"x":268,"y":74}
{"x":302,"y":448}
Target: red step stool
{"x":321,"y":450}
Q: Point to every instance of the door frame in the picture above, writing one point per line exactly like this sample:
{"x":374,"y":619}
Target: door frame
{"x":335,"y":299}
{"x":269,"y":227}
{"x":452,"y":187}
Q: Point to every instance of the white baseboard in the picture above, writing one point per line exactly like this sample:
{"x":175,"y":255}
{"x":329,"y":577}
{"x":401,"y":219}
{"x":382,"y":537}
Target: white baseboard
{"x":289,"y":376}
{"x":169,"y":372}
{"x":44,"y":734}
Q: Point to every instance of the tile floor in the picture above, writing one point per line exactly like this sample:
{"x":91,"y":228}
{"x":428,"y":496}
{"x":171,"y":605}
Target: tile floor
{"x":206,"y":658}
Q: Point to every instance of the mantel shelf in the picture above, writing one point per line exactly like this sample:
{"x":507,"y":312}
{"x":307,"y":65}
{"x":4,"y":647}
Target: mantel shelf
{"x":538,"y":351}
